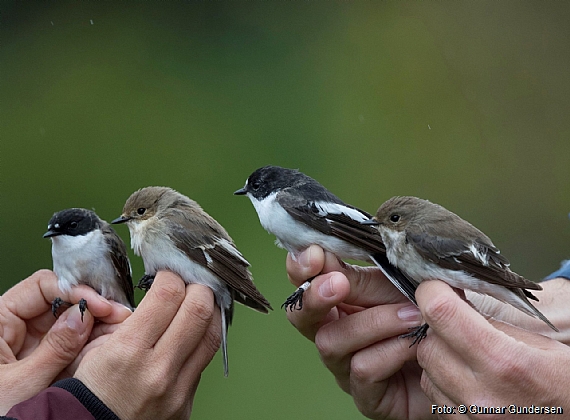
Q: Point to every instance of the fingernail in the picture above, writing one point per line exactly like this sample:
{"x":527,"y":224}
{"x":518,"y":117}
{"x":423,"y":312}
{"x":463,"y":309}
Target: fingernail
{"x":123,"y":307}
{"x":102,"y":299}
{"x":327,"y":288}
{"x":73,"y":320}
{"x":305,"y":258}
{"x":410,"y":313}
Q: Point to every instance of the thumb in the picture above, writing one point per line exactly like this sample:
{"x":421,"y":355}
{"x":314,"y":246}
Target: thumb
{"x":61,"y":345}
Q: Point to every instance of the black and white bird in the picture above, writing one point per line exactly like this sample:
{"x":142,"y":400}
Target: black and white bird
{"x":172,"y":232}
{"x":300,"y":212}
{"x":427,"y":241}
{"x":86,"y":250}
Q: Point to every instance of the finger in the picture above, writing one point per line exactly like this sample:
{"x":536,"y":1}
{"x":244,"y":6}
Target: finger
{"x":100,"y":329}
{"x":319,"y":301}
{"x":445,"y":369}
{"x":6,"y":353}
{"x":188,"y":325}
{"x":308,"y":264}
{"x":33,"y":296}
{"x":372,"y":376}
{"x":97,"y":304}
{"x":23,"y":344}
{"x":156,"y":311}
{"x":457,"y":323}
{"x":368,"y":285}
{"x":85,"y":352}
{"x":60,"y":346}
{"x":338,"y":339}
{"x":208,"y":345}
{"x":188,"y":375}
{"x":442,"y":405}
{"x":118,"y":314}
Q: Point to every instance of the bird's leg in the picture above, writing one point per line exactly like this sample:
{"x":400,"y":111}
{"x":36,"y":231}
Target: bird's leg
{"x":145,"y":282}
{"x":58,"y":306}
{"x":418,"y":333}
{"x":82,"y":307}
{"x":296,"y":299}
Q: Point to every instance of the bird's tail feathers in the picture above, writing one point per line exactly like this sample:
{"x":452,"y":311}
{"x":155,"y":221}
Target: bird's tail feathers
{"x":225,"y":342}
{"x":529,"y":309}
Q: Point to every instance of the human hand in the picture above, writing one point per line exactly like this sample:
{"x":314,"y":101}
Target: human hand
{"x":553,"y":303}
{"x":151,"y":365}
{"x":487,"y":363}
{"x":35,"y":348}
{"x":355,"y":317}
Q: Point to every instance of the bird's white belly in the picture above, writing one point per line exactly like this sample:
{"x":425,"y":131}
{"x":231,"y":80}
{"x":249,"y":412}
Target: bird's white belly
{"x":159,"y":253}
{"x":294,"y":236}
{"x":83,"y":260}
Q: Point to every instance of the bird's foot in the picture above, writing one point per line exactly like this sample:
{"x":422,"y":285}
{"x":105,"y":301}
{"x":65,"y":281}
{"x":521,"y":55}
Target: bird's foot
{"x":295,"y":301}
{"x":418,"y":333}
{"x":58,"y":306}
{"x":145,"y":282}
{"x":82,"y":307}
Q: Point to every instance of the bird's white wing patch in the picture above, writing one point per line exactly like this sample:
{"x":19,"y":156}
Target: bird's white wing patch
{"x":334,"y":208}
{"x":479,"y":253}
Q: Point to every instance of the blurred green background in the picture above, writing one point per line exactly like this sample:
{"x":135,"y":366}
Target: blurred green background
{"x":463,"y":103}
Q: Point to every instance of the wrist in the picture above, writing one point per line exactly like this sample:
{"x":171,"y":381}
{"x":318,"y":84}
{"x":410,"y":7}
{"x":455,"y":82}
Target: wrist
{"x":96,"y":407}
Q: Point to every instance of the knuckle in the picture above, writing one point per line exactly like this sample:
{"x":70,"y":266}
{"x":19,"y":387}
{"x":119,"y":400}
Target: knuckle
{"x":425,"y":352}
{"x":212,"y":340}
{"x":156,"y":383}
{"x":202,"y":309}
{"x":427,"y":385}
{"x":509,"y":369}
{"x":170,"y":292}
{"x":325,"y":346}
{"x":64,"y":345}
{"x":44,"y":272}
{"x":360,"y":369}
{"x":440,"y":309}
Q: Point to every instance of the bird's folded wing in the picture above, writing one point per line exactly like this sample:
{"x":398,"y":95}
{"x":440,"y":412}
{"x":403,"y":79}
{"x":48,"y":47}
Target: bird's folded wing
{"x":480,"y":260}
{"x":209,"y":245}
{"x":121,"y":263}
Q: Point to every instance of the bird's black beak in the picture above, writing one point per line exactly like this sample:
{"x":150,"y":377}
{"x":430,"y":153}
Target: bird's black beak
{"x":241,"y":191}
{"x":370,"y":222}
{"x":51,"y":233}
{"x":121,"y":219}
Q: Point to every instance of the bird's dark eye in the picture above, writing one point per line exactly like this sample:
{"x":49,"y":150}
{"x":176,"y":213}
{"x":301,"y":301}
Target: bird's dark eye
{"x":141,"y":211}
{"x":394,"y":218}
{"x":73,"y":225}
{"x":256,"y":185}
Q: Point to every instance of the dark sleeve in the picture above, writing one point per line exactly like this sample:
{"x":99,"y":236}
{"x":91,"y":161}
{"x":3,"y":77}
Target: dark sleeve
{"x":68,"y":399}
{"x":564,"y":271}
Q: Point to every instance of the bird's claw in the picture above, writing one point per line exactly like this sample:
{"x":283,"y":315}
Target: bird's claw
{"x":295,"y":301}
{"x":58,"y":306}
{"x":417,"y":333}
{"x":145,"y":282}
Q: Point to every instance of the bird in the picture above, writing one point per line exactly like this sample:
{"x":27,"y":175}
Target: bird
{"x":86,"y":250}
{"x":300,"y":212}
{"x":172,"y":232}
{"x":427,"y":241}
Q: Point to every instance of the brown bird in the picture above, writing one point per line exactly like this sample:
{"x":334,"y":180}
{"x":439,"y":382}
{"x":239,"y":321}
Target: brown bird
{"x":172,"y":232}
{"x":427,"y":241}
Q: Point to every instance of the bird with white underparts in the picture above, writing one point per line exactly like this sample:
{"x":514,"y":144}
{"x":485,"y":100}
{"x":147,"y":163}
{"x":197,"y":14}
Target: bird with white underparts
{"x":171,"y":232}
{"x":86,"y":250}
{"x":427,"y":241}
{"x":301,"y":212}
